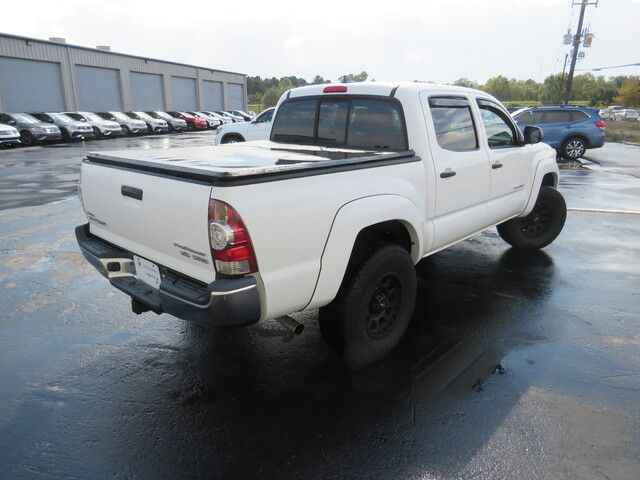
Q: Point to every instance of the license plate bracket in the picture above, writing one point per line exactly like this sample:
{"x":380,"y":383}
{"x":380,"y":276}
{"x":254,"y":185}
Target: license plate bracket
{"x":147,"y":271}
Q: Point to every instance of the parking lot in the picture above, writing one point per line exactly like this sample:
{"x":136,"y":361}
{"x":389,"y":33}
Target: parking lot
{"x":515,"y":366}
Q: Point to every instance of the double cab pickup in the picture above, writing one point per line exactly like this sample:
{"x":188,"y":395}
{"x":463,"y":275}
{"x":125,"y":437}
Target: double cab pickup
{"x":357,"y":183}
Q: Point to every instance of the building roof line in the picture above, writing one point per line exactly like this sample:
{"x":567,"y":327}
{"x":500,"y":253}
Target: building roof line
{"x":31,"y":39}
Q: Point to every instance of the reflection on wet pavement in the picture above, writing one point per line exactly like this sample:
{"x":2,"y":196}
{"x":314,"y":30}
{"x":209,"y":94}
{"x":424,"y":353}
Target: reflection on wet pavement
{"x":514,"y":366}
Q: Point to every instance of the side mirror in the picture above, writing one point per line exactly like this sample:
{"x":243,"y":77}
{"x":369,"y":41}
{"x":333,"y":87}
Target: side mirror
{"x":532,"y":134}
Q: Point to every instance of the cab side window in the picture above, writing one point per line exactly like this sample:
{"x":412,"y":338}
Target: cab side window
{"x":453,"y":124}
{"x":499,"y":130}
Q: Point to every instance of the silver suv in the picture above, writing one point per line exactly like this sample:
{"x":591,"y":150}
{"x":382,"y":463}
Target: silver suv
{"x":69,"y":128}
{"x":129,"y":125}
{"x":100,"y":126}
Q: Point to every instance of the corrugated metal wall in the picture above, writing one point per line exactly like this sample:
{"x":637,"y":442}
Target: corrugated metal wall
{"x":28,"y":85}
{"x":236,"y":96}
{"x":146,"y":91}
{"x":183,"y":93}
{"x":73,"y":92}
{"x":98,"y":89}
{"x":213,"y":95}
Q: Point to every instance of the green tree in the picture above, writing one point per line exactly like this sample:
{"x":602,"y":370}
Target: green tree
{"x":629,"y":93}
{"x":465,"y":82}
{"x":351,"y":77}
{"x":318,"y":80}
{"x":499,"y":87}
{"x":551,"y":90}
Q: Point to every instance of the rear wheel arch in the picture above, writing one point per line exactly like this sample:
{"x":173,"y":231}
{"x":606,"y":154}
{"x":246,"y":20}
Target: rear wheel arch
{"x":363,"y":226}
{"x":550,"y":180}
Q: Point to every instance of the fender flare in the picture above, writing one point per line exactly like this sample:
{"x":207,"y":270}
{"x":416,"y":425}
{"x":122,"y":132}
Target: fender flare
{"x":348,"y":222}
{"x":543,"y":168}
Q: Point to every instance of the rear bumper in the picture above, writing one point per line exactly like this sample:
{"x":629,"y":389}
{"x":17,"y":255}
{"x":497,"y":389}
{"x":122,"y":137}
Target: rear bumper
{"x":226,"y":302}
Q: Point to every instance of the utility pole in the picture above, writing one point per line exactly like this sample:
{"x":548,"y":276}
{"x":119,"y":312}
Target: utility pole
{"x":576,"y":46}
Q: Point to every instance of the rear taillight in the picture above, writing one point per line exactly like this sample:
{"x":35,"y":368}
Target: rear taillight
{"x":230,"y":243}
{"x":600,"y":124}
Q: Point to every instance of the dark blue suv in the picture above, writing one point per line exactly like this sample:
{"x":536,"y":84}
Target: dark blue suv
{"x":571,"y":130}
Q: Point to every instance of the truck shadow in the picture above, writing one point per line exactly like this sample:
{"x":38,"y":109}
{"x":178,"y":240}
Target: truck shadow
{"x":296,"y":411}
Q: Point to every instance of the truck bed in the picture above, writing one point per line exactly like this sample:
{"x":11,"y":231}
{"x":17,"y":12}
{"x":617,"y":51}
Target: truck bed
{"x":241,"y":164}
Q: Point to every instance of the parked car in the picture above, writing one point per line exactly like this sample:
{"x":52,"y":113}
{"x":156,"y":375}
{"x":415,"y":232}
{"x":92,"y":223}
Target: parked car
{"x":70,"y":129}
{"x":223,"y":119}
{"x":247,"y":117}
{"x":233,"y":118}
{"x":571,"y":130}
{"x":9,"y":136}
{"x":31,"y":129}
{"x":258,"y":129}
{"x":130,"y":126}
{"x":259,"y":230}
{"x":607,"y":113}
{"x":175,"y":124}
{"x":212,"y":122}
{"x":236,"y":118}
{"x":625,"y":114}
{"x":101,"y":128}
{"x":154,"y":125}
{"x":193,"y":123}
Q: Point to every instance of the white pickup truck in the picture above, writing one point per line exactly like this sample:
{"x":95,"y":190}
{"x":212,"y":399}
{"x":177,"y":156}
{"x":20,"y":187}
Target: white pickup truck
{"x":356,"y":185}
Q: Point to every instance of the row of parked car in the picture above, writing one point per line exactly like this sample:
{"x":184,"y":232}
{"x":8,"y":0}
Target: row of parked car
{"x":617,"y":112}
{"x":38,"y":127}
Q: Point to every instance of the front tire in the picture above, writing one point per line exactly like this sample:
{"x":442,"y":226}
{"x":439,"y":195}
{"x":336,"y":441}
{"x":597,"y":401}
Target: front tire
{"x":541,"y":226}
{"x":573,"y":148}
{"x":232,"y":139}
{"x":27,"y":138}
{"x":373,"y":308}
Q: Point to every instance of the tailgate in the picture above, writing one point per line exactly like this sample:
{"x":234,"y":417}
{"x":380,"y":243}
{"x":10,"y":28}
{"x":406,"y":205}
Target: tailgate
{"x":156,"y":217}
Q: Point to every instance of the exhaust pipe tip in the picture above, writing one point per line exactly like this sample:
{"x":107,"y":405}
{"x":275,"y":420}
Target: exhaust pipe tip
{"x":291,"y":324}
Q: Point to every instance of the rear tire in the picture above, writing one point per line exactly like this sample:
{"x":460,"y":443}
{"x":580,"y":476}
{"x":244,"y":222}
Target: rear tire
{"x":573,"y":148}
{"x":373,"y":309}
{"x":541,"y":226}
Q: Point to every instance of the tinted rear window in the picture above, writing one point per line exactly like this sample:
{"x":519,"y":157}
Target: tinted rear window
{"x":295,"y":122}
{"x":347,"y":121}
{"x":556,"y":116}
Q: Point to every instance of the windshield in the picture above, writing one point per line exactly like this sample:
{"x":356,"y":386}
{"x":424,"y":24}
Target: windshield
{"x":120,"y":116}
{"x":376,"y":123}
{"x":143,"y":116}
{"x":61,"y":117}
{"x":163,"y":115}
{"x":93,"y":116}
{"x":185,"y":114}
{"x":24,"y":118}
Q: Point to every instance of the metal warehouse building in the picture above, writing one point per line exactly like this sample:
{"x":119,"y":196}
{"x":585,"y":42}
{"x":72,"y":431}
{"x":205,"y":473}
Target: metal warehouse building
{"x":53,"y":76}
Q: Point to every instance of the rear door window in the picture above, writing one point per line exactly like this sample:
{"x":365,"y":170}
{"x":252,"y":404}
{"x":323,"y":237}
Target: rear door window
{"x":453,"y":124}
{"x":556,"y":116}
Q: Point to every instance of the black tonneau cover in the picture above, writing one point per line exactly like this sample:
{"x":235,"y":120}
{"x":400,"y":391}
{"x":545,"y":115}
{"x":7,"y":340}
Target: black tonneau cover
{"x":241,"y":164}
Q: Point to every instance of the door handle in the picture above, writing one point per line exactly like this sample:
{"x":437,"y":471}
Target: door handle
{"x":132,"y":192}
{"x":496,"y":165}
{"x":447,"y":173}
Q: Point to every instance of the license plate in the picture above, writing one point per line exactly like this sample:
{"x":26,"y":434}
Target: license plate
{"x":147,"y":271}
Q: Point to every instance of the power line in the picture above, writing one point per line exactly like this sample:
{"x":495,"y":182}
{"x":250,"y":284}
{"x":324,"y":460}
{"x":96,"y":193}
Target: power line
{"x":597,"y":69}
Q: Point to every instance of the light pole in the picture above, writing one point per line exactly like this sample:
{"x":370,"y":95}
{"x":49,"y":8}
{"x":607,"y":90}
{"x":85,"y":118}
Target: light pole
{"x":576,"y":46}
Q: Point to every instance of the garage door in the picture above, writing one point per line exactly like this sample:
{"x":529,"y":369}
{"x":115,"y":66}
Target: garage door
{"x":146,"y":92}
{"x":29,"y":85}
{"x":183,"y":93}
{"x":212,"y":92}
{"x":236,"y":96}
{"x":98,"y":89}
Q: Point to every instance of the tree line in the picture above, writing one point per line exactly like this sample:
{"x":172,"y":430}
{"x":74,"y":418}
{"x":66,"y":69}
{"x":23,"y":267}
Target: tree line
{"x":587,"y":88}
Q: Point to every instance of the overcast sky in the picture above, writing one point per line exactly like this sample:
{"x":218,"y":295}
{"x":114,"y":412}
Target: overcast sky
{"x":438,"y":40}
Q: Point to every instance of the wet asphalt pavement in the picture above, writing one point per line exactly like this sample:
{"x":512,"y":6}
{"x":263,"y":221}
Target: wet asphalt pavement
{"x":515,"y":366}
